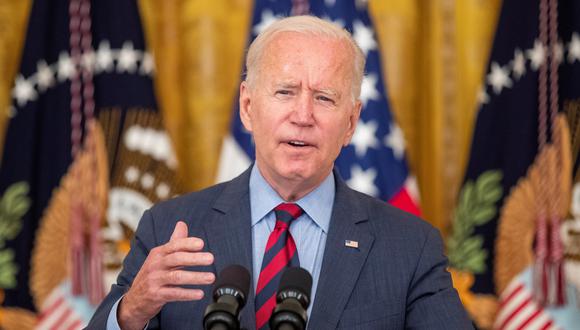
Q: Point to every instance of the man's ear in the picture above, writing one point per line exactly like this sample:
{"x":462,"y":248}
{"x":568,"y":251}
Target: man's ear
{"x":245,"y":106}
{"x":352,"y":121}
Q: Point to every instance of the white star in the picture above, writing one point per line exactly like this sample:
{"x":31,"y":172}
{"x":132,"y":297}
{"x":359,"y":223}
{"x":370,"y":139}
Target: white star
{"x":369,"y":89}
{"x":558,"y":52}
{"x":574,"y":48}
{"x":44,"y":76}
{"x":537,"y":54}
{"x":396,"y":141}
{"x":498,"y":78}
{"x":363,"y":181}
{"x":329,"y":3}
{"x":162,"y":190}
{"x":23,"y":91}
{"x":147,"y":181}
{"x":363,"y":36}
{"x":147,"y":64}
{"x":482,"y":97}
{"x":268,"y":18}
{"x":104,"y":57}
{"x":364,"y":137}
{"x":66,"y":67}
{"x":127,"y":60}
{"x":132,"y":174}
{"x":519,"y":64}
{"x":88,"y":61}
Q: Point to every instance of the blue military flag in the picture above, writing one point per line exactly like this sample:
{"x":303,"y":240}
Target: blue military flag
{"x":516,"y":226}
{"x":85,"y":154}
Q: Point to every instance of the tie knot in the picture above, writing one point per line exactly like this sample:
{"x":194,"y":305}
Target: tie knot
{"x":286,"y":212}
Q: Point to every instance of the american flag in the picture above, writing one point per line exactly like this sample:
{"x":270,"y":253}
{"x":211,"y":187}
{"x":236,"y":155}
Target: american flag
{"x":374,"y":162}
{"x":519,"y":310}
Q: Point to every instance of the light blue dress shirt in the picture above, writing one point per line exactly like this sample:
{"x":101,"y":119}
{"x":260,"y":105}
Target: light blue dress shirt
{"x":309,"y":230}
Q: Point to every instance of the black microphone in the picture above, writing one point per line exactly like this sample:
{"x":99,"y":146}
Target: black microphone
{"x":229,"y":296}
{"x":292,"y":300}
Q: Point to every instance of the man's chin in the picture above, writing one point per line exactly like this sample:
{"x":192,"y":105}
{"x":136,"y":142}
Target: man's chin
{"x":301,"y":173}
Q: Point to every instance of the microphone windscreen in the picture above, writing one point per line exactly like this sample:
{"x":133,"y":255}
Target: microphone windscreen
{"x":235,"y":276}
{"x":298,"y":279}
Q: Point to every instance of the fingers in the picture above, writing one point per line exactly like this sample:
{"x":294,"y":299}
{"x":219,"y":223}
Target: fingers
{"x":162,"y":277}
{"x":184,"y":277}
{"x":189,"y":244}
{"x":181,"y":259}
{"x":180,"y":231}
{"x":180,"y":294}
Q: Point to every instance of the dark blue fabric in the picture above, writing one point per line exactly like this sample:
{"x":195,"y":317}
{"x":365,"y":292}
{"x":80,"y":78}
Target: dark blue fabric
{"x":506,"y":131}
{"x":37,"y":147}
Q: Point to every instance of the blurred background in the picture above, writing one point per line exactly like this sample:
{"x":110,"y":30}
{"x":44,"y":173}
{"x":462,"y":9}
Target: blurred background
{"x":107,"y":107}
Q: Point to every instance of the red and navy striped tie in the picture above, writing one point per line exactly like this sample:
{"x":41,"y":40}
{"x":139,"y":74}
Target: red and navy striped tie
{"x":280,"y":253}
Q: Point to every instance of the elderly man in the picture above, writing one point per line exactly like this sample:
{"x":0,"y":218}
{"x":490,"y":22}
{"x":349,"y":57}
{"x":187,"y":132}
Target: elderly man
{"x":373,"y":266}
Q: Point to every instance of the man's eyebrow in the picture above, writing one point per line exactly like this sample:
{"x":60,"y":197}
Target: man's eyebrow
{"x":286,"y":85}
{"x":327,"y":91}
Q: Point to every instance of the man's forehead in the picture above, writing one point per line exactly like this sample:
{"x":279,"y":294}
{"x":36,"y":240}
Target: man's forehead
{"x":293,"y":59}
{"x":297,"y":49}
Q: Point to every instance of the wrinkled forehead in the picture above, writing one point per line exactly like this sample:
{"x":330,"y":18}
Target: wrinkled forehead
{"x":308,"y":42}
{"x":320,"y":56}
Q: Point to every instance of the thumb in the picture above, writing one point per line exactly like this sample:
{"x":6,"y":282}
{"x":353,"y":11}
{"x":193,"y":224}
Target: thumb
{"x":180,"y":231}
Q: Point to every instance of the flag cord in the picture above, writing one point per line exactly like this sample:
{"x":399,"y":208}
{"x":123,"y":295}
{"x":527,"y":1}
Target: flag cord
{"x":82,"y":93}
{"x":548,"y":271}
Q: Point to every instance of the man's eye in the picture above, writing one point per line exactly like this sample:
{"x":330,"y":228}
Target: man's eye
{"x":283,"y":92}
{"x":325,"y":99}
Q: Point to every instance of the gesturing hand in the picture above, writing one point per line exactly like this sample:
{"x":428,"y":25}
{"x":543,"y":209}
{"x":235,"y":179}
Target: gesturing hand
{"x":160,"y":279}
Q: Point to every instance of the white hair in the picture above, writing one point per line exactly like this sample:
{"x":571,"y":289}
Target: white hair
{"x":306,"y":25}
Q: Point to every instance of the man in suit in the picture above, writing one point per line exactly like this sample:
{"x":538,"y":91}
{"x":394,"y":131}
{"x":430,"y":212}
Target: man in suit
{"x":373,"y":266}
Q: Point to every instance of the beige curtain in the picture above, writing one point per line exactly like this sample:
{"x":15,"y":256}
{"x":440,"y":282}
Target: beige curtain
{"x":198,"y":46}
{"x":435,"y":52}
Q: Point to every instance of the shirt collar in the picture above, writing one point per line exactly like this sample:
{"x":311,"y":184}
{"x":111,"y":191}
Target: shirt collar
{"x":317,"y":204}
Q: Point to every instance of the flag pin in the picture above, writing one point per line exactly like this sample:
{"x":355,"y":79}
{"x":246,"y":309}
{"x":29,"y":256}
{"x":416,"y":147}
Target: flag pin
{"x":351,"y":244}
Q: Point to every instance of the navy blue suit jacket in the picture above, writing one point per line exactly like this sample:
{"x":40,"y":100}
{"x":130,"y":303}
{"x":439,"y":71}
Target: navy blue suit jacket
{"x":395,"y":279}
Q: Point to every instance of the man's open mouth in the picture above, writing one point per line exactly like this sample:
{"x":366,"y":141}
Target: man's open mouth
{"x":296,"y":143}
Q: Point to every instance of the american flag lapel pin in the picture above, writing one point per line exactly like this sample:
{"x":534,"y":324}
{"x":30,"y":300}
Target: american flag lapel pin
{"x":351,"y":244}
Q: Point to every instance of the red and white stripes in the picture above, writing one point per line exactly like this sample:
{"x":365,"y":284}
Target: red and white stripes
{"x":58,"y":314}
{"x":518,"y":310}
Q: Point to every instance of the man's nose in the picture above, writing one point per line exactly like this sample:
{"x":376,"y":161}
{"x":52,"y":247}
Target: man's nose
{"x":303,"y":113}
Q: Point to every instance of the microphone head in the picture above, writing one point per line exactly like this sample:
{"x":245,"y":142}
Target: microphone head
{"x":233,"y":280}
{"x":295,"y":283}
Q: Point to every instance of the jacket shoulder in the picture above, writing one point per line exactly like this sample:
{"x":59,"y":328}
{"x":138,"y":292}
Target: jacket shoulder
{"x":384,"y":216}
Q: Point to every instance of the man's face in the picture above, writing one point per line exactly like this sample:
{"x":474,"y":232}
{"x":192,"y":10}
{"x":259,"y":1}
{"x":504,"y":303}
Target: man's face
{"x":300,"y":108}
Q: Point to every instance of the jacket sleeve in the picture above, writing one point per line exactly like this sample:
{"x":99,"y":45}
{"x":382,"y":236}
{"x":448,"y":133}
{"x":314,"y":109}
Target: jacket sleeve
{"x":432,"y":302}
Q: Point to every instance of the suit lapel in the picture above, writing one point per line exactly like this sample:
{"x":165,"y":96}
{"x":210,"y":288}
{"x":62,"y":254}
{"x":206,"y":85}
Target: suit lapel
{"x":341,"y":264}
{"x":229,"y":235}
